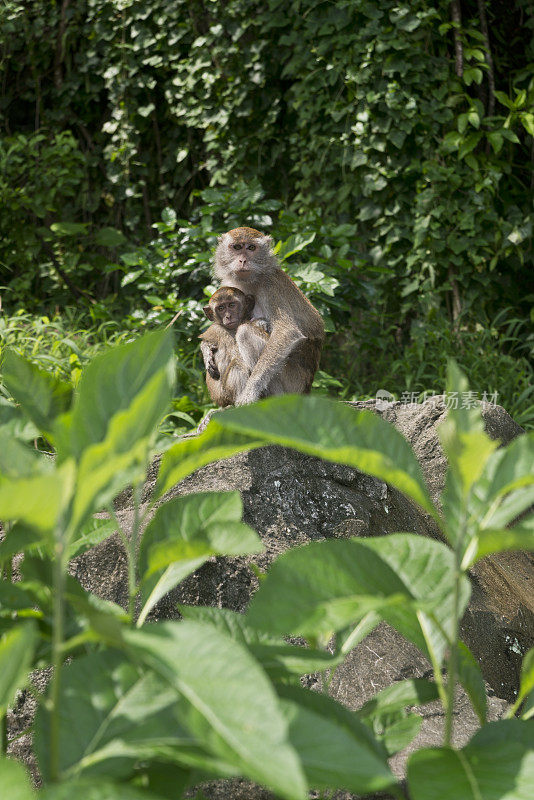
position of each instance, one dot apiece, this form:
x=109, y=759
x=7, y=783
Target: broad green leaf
x=109, y=237
x=335, y=748
x=462, y=436
x=69, y=228
x=413, y=692
x=113, y=714
x=353, y=635
x=277, y=658
x=497, y=764
x=204, y=524
x=322, y=587
x=188, y=455
x=470, y=676
x=526, y=685
x=121, y=458
x=184, y=533
x=385, y=713
x=110, y=386
x=15, y=781
x=495, y=541
x=16, y=654
x=294, y=244
x=13, y=597
x=37, y=500
x=313, y=425
x=335, y=432
x=509, y=469
x=506, y=509
x=42, y=396
x=233, y=709
x=396, y=730
x=94, y=789
x=96, y=531
x=17, y=460
x=17, y=540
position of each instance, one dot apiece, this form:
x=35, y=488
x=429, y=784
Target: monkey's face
x=243, y=254
x=229, y=307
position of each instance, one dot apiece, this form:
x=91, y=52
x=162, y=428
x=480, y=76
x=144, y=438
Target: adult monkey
x=243, y=260
x=227, y=369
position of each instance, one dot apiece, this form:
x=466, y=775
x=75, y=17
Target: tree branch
x=456, y=14
x=489, y=57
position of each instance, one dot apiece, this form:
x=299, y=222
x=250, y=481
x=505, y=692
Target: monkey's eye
x=237, y=246
x=251, y=247
x=231, y=305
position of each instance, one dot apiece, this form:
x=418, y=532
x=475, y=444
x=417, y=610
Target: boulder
x=292, y=499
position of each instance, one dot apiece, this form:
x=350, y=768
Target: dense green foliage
x=397, y=141
x=144, y=710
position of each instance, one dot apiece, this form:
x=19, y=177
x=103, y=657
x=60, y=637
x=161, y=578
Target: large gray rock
x=291, y=499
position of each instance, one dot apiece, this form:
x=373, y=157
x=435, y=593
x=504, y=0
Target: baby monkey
x=227, y=366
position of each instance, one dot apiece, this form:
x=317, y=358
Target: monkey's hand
x=247, y=396
x=212, y=369
x=208, y=353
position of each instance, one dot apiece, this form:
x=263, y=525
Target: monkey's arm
x=284, y=339
x=208, y=351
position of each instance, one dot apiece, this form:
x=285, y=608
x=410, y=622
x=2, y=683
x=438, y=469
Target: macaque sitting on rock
x=228, y=367
x=290, y=355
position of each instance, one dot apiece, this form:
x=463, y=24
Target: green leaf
x=470, y=676
x=277, y=658
x=13, y=597
x=335, y=748
x=17, y=460
x=526, y=685
x=413, y=692
x=294, y=244
x=497, y=764
x=233, y=708
x=508, y=469
x=190, y=454
x=496, y=141
x=16, y=654
x=113, y=714
x=397, y=730
x=17, y=540
x=462, y=435
x=469, y=144
x=322, y=587
x=184, y=533
x=335, y=432
x=15, y=781
x=37, y=500
x=94, y=789
x=527, y=120
x=385, y=713
x=109, y=237
x=69, y=228
x=42, y=396
x=96, y=531
x=496, y=541
x=110, y=384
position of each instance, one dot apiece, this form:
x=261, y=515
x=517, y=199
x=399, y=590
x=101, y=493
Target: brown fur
x=290, y=357
x=226, y=370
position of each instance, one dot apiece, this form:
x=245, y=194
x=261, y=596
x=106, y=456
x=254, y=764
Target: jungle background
x=387, y=146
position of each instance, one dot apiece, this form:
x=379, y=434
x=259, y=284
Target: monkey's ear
x=208, y=311
x=248, y=308
x=266, y=240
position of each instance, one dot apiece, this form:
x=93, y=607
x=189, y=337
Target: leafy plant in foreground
x=145, y=710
